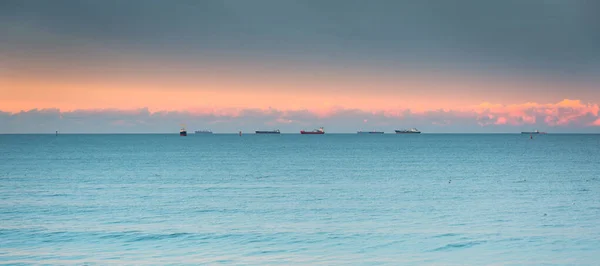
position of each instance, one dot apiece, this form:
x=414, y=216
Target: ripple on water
x=462, y=245
x=446, y=235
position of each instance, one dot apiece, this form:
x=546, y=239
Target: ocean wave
x=446, y=235
x=462, y=245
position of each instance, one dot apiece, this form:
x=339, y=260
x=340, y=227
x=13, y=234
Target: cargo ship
x=276, y=131
x=408, y=131
x=314, y=132
x=182, y=132
x=202, y=132
x=369, y=132
x=533, y=132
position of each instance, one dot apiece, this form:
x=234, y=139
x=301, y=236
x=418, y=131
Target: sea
x=291, y=199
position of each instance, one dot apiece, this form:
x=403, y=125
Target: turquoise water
x=424, y=199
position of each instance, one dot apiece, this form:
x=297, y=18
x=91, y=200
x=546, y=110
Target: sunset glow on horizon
x=311, y=91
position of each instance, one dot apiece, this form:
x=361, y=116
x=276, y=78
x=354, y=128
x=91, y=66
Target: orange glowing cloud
x=562, y=113
x=564, y=116
x=501, y=121
x=557, y=114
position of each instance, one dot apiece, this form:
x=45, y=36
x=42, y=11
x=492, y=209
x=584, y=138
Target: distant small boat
x=533, y=132
x=202, y=132
x=276, y=131
x=408, y=131
x=183, y=132
x=319, y=131
x=369, y=132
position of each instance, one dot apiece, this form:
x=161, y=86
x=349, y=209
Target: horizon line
x=297, y=133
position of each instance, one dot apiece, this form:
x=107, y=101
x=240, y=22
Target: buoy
x=240, y=133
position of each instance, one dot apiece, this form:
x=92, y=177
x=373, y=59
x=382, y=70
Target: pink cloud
x=111, y=111
x=228, y=112
x=501, y=121
x=566, y=114
x=562, y=113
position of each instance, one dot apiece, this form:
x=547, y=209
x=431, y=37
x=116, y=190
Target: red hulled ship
x=314, y=132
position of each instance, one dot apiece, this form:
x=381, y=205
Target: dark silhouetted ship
x=319, y=131
x=408, y=131
x=533, y=132
x=276, y=131
x=369, y=132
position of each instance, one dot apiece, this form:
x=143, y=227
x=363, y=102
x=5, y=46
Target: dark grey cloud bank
x=249, y=120
x=543, y=36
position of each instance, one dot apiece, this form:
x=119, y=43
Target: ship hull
x=267, y=132
x=401, y=132
x=183, y=134
x=311, y=133
x=370, y=132
x=530, y=133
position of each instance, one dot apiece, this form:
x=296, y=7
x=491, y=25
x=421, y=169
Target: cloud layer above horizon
x=567, y=116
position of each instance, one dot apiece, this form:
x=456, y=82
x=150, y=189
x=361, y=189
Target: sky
x=146, y=66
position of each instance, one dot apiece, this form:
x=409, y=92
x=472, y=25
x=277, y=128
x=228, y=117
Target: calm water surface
x=295, y=199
